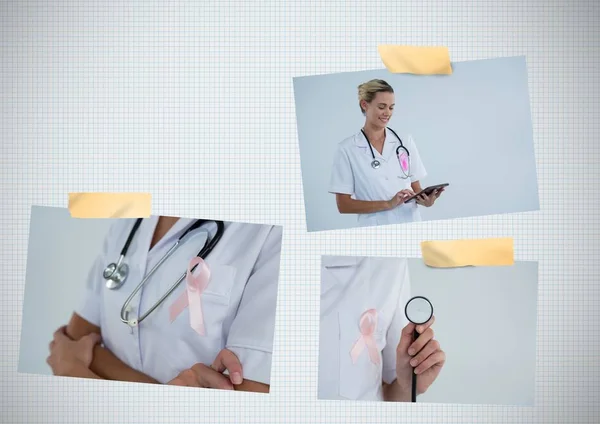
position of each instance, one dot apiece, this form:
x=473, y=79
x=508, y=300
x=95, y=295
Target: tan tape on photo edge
x=468, y=252
x=110, y=205
x=417, y=60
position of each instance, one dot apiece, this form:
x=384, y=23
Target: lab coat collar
x=389, y=146
x=174, y=232
x=180, y=227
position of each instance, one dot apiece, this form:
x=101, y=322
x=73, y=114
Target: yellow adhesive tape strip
x=110, y=205
x=416, y=59
x=459, y=253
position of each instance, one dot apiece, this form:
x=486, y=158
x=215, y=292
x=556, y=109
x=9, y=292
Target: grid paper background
x=193, y=102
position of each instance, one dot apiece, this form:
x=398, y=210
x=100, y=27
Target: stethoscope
x=418, y=310
x=115, y=274
x=402, y=154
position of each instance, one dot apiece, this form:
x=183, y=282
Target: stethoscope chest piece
x=419, y=310
x=375, y=164
x=115, y=275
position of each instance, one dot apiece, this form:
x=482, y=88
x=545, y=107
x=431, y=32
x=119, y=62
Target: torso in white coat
x=353, y=174
x=350, y=286
x=238, y=305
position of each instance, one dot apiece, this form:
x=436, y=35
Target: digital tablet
x=429, y=190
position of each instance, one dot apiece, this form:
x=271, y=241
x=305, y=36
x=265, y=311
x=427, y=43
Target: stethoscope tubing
x=127, y=302
x=415, y=337
x=204, y=252
x=375, y=163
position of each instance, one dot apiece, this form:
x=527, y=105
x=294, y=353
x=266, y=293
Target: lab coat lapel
x=338, y=269
x=147, y=258
x=389, y=147
x=142, y=249
x=363, y=145
x=333, y=266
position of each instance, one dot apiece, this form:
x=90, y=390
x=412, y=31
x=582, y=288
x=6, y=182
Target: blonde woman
x=375, y=170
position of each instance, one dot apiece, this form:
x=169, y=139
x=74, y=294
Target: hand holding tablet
x=428, y=191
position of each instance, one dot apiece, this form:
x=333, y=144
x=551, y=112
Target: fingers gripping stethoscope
x=402, y=154
x=418, y=310
x=115, y=274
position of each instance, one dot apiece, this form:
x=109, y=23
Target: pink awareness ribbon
x=404, y=161
x=192, y=296
x=368, y=323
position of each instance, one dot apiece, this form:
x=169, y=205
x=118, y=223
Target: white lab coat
x=238, y=305
x=349, y=287
x=353, y=174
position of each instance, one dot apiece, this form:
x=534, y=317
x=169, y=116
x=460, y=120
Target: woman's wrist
x=73, y=369
x=78, y=369
x=403, y=391
x=395, y=392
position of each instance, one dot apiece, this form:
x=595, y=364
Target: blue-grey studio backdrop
x=472, y=128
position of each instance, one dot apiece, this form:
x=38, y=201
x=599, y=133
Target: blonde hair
x=368, y=90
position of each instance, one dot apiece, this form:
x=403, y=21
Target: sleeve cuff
x=341, y=190
x=418, y=177
x=89, y=308
x=256, y=364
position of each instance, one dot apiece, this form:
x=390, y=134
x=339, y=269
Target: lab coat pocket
x=360, y=359
x=214, y=305
x=221, y=282
x=192, y=346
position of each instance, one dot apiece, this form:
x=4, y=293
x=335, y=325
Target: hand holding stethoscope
x=420, y=358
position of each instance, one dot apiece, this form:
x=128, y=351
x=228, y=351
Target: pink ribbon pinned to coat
x=404, y=162
x=192, y=296
x=368, y=324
